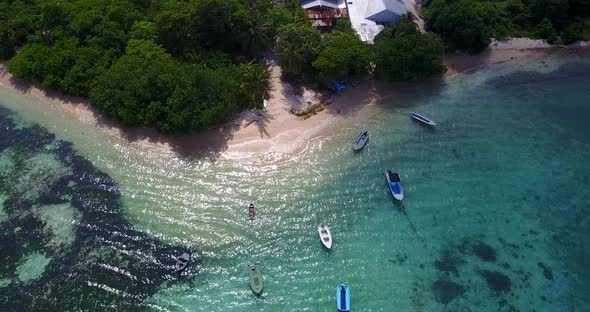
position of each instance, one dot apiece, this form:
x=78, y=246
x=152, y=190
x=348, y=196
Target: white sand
x=276, y=131
x=519, y=44
x=413, y=7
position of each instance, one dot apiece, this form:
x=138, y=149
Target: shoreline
x=276, y=131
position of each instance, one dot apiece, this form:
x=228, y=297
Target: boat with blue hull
x=395, y=187
x=343, y=298
x=423, y=119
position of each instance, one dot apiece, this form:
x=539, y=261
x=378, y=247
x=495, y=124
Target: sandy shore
x=275, y=130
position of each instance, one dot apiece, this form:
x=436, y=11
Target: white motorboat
x=325, y=235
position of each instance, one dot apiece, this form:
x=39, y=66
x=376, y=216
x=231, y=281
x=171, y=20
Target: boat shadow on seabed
x=402, y=208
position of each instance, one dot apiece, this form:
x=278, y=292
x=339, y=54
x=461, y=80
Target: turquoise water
x=495, y=215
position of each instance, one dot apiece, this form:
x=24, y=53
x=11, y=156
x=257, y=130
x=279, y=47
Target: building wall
x=326, y=17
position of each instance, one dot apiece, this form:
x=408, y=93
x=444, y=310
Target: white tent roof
x=385, y=10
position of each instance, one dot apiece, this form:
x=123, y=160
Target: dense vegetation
x=307, y=55
x=343, y=56
x=469, y=24
x=402, y=52
x=170, y=64
x=180, y=65
x=298, y=46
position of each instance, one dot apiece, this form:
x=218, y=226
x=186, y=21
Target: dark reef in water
x=484, y=251
x=453, y=256
x=458, y=259
x=445, y=291
x=398, y=259
x=547, y=272
x=108, y=264
x=448, y=262
x=497, y=282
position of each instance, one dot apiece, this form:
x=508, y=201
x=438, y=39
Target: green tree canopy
x=147, y=87
x=458, y=22
x=298, y=46
x=343, y=56
x=556, y=11
x=217, y=23
x=176, y=29
x=255, y=84
x=17, y=22
x=30, y=62
x=144, y=30
x=144, y=75
x=255, y=31
x=403, y=53
x=176, y=65
x=344, y=25
x=468, y=29
x=200, y=97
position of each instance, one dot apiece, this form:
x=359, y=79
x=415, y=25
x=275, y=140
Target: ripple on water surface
x=493, y=218
x=64, y=243
x=478, y=228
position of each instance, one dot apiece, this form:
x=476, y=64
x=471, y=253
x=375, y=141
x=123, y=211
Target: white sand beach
x=276, y=130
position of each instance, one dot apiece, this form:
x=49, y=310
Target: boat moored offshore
x=256, y=281
x=423, y=119
x=361, y=141
x=325, y=235
x=395, y=187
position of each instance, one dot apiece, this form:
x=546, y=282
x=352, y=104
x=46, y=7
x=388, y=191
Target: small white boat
x=423, y=119
x=395, y=187
x=325, y=235
x=361, y=140
x=182, y=262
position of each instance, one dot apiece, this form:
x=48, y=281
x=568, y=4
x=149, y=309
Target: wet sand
x=276, y=130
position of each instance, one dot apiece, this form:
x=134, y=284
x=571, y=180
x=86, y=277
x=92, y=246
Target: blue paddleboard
x=343, y=298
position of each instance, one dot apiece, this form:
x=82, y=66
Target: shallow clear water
x=495, y=215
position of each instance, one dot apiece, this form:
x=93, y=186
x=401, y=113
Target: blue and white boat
x=395, y=187
x=423, y=119
x=343, y=298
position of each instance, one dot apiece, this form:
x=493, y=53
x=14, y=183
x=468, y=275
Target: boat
x=361, y=141
x=325, y=235
x=394, y=184
x=251, y=211
x=423, y=119
x=182, y=262
x=343, y=298
x=256, y=282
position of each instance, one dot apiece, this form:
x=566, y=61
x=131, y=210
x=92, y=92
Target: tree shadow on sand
x=206, y=143
x=399, y=94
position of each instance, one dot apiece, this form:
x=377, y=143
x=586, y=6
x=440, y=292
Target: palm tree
x=255, y=84
x=255, y=34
